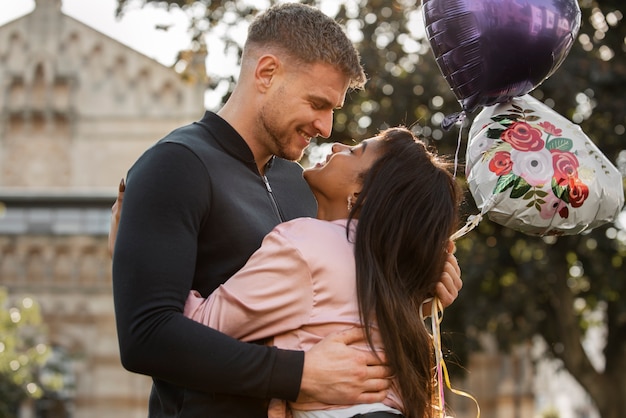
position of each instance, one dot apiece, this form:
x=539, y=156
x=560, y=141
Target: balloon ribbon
x=440, y=364
x=472, y=222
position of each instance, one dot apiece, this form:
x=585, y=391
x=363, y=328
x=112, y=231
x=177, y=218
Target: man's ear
x=266, y=69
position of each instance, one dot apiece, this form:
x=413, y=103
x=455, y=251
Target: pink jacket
x=297, y=288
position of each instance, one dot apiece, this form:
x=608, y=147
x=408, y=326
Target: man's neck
x=241, y=125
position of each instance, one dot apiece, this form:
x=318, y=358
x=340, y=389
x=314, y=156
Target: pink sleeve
x=270, y=295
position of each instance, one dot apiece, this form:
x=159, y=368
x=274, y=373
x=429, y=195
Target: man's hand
x=116, y=211
x=335, y=373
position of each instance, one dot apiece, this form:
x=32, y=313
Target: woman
x=373, y=255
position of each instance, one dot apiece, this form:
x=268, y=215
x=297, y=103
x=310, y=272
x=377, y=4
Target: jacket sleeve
x=270, y=295
x=153, y=269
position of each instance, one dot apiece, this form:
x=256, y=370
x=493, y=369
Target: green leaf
x=520, y=187
x=563, y=144
x=506, y=119
x=499, y=118
x=532, y=118
x=494, y=133
x=504, y=182
x=562, y=192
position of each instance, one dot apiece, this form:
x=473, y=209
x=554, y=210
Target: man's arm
x=154, y=262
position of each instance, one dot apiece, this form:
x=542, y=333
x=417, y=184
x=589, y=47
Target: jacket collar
x=227, y=137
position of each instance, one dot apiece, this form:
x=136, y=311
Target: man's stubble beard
x=273, y=137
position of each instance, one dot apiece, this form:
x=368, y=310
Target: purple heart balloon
x=490, y=51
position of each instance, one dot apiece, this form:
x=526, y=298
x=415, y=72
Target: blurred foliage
x=29, y=367
x=22, y=352
x=516, y=286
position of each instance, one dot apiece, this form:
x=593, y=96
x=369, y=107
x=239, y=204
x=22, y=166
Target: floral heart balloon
x=531, y=169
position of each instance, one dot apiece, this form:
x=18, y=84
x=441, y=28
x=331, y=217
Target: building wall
x=78, y=107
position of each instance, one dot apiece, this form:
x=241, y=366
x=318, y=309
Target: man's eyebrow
x=364, y=144
x=323, y=102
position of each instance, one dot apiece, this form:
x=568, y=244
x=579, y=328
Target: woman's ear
x=352, y=198
x=266, y=69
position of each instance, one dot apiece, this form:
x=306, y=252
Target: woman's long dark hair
x=407, y=210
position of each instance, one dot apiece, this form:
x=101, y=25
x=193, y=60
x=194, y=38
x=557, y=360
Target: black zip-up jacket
x=195, y=209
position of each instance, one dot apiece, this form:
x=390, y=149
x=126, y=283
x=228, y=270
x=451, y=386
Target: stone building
x=76, y=110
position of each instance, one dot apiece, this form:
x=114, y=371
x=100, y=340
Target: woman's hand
x=450, y=283
x=116, y=211
x=448, y=287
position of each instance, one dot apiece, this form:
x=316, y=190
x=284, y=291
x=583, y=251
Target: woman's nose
x=338, y=147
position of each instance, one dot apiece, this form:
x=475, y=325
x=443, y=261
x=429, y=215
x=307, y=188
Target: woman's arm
x=116, y=212
x=270, y=295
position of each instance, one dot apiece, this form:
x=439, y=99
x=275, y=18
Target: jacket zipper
x=274, y=203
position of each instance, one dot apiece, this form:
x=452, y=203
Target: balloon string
x=440, y=364
x=472, y=222
x=460, y=118
x=437, y=308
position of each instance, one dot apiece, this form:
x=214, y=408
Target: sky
x=136, y=29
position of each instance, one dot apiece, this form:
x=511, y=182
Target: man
x=198, y=204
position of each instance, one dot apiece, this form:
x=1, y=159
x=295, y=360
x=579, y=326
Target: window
x=72, y=218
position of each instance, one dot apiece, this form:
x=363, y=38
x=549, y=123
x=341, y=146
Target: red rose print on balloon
x=578, y=192
x=550, y=129
x=565, y=166
x=523, y=137
x=501, y=163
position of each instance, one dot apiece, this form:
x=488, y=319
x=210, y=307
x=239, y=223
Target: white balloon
x=532, y=170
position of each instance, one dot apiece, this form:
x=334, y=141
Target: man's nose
x=324, y=124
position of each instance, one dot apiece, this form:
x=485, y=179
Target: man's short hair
x=307, y=35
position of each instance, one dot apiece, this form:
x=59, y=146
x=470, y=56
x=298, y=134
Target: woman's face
x=338, y=177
